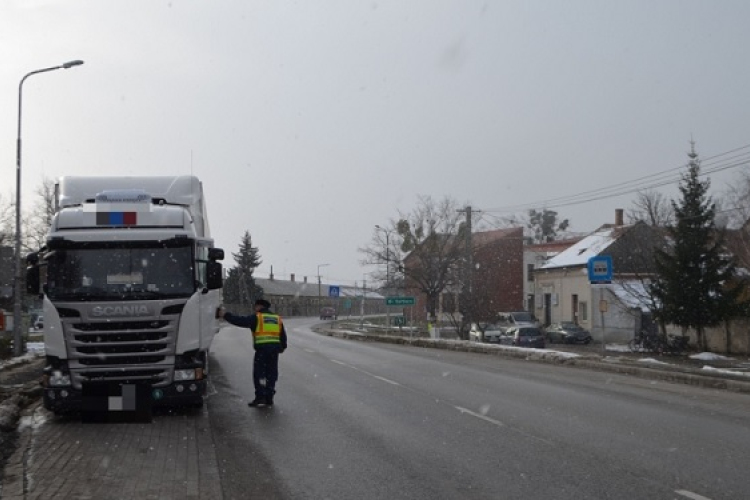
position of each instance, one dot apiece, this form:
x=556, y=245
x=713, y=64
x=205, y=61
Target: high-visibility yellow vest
x=268, y=329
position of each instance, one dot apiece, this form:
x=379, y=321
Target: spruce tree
x=240, y=287
x=694, y=276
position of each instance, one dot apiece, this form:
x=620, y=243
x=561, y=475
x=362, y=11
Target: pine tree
x=694, y=275
x=240, y=287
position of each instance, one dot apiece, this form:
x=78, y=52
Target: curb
x=679, y=375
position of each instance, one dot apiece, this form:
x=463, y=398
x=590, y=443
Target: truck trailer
x=130, y=284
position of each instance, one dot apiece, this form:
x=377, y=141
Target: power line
x=651, y=181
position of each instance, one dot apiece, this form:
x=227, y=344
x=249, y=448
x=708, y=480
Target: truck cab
x=130, y=281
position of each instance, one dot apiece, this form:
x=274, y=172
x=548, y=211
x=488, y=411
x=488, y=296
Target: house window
x=583, y=311
x=529, y=272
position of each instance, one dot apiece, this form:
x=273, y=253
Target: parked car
x=568, y=332
x=39, y=323
x=492, y=332
x=526, y=336
x=516, y=319
x=328, y=313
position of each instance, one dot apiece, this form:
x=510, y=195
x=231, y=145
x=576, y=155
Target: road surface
x=367, y=420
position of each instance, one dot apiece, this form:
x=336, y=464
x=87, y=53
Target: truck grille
x=138, y=351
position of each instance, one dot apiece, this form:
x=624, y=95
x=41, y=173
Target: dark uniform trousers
x=265, y=371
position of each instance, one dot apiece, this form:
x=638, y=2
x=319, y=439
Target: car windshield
x=522, y=317
x=571, y=327
x=528, y=332
x=491, y=327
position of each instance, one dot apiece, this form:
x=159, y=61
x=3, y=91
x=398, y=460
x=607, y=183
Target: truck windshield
x=120, y=273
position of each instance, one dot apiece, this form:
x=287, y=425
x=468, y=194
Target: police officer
x=269, y=340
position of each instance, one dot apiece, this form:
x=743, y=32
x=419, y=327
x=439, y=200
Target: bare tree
x=737, y=197
x=429, y=242
x=7, y=221
x=37, y=224
x=651, y=207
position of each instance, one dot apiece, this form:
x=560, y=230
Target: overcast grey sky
x=311, y=121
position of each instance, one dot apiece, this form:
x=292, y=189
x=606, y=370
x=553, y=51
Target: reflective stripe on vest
x=268, y=329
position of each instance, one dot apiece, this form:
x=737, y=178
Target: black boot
x=257, y=402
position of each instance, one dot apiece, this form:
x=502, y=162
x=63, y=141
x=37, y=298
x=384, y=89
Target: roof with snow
x=590, y=246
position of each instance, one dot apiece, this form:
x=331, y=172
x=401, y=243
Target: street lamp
x=387, y=274
x=319, y=266
x=17, y=348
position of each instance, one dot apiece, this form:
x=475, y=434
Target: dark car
x=526, y=336
x=568, y=333
x=328, y=313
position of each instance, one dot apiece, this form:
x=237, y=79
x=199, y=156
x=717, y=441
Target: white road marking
x=479, y=415
x=691, y=495
x=459, y=408
x=386, y=380
x=310, y=351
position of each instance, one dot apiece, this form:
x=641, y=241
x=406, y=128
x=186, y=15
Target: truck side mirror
x=216, y=254
x=215, y=275
x=32, y=280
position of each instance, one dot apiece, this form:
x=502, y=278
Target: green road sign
x=400, y=301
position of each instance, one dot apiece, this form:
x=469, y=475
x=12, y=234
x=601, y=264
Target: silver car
x=487, y=332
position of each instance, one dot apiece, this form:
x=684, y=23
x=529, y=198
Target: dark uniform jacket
x=251, y=322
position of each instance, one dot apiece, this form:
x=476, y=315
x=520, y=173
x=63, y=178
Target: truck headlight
x=58, y=379
x=182, y=375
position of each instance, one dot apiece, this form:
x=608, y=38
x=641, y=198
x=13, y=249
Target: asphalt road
x=367, y=420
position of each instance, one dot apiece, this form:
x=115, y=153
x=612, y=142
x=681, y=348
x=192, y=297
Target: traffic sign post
x=334, y=291
x=400, y=301
x=600, y=272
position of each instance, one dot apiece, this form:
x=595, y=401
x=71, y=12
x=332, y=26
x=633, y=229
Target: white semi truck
x=130, y=283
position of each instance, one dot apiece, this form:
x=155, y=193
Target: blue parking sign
x=600, y=269
x=334, y=291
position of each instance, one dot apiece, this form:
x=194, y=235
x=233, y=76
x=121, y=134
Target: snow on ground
x=725, y=372
x=652, y=361
x=32, y=421
x=709, y=356
x=617, y=348
x=33, y=350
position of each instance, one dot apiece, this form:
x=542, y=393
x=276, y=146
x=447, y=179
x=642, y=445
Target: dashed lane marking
x=691, y=495
x=479, y=415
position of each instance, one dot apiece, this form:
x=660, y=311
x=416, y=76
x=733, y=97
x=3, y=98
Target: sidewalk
x=173, y=457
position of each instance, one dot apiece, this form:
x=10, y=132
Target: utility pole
x=469, y=266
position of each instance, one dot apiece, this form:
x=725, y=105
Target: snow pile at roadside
x=33, y=350
x=725, y=372
x=709, y=356
x=617, y=348
x=652, y=361
x=32, y=421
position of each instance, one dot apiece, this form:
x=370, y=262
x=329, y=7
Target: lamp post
x=387, y=275
x=17, y=348
x=319, y=266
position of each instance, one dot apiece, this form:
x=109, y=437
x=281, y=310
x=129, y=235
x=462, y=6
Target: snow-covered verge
x=33, y=350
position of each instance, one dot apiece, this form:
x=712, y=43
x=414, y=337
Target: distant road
x=371, y=421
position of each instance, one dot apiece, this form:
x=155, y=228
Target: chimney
x=292, y=277
x=271, y=277
x=618, y=217
x=304, y=279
